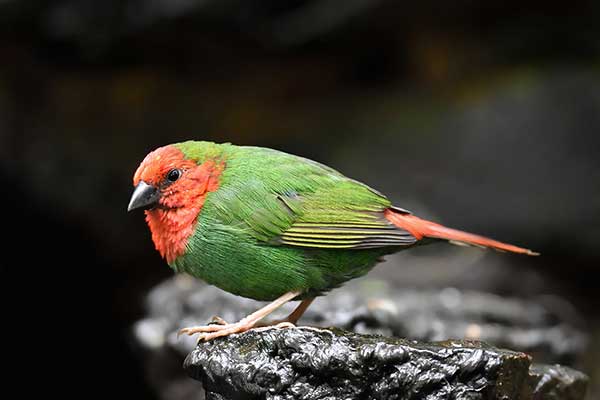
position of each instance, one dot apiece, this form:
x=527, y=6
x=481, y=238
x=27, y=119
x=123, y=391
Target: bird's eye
x=173, y=175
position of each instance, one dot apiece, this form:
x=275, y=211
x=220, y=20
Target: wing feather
x=288, y=200
x=346, y=235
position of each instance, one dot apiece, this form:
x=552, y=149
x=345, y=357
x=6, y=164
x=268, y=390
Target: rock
x=541, y=328
x=311, y=363
x=558, y=382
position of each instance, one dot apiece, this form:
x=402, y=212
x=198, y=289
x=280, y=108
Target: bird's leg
x=299, y=311
x=208, y=332
x=294, y=315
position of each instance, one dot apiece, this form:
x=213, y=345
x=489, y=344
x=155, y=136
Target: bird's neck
x=172, y=226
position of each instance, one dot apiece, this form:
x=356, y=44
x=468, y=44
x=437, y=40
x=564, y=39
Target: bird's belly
x=245, y=269
x=264, y=272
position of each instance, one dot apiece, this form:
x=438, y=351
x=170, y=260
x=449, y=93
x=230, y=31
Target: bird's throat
x=173, y=225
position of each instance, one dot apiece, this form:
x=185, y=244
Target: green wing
x=343, y=224
x=287, y=200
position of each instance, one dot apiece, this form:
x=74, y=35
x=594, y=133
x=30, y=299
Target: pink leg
x=208, y=332
x=296, y=314
x=290, y=320
x=299, y=311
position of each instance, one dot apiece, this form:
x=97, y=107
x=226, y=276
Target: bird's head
x=172, y=187
x=165, y=179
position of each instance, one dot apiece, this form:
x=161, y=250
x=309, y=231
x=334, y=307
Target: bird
x=272, y=226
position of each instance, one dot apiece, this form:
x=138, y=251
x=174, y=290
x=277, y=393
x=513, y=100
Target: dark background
x=482, y=115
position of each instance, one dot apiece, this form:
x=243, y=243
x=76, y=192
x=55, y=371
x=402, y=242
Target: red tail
x=421, y=228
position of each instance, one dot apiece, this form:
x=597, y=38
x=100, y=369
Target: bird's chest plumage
x=223, y=254
x=171, y=230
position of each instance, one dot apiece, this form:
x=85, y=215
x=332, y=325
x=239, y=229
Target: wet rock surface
x=542, y=328
x=311, y=363
x=557, y=382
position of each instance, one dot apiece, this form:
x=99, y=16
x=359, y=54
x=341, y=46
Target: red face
x=162, y=179
x=172, y=189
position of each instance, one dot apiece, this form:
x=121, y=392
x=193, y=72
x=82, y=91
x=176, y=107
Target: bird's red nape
x=173, y=220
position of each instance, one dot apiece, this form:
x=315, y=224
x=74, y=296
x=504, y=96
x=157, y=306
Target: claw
x=182, y=332
x=217, y=320
x=200, y=338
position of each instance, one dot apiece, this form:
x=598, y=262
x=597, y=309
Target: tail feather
x=421, y=228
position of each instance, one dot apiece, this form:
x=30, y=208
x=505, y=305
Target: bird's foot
x=218, y=327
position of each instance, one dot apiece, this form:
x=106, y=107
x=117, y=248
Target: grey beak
x=144, y=195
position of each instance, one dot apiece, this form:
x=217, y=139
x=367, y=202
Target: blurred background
x=483, y=116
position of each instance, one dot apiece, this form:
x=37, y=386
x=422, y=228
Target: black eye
x=173, y=175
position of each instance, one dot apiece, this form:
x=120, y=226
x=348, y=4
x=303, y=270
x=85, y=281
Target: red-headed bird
x=271, y=226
